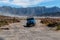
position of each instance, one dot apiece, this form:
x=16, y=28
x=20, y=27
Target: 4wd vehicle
x=30, y=22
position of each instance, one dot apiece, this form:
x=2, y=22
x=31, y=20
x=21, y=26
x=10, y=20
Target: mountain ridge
x=30, y=11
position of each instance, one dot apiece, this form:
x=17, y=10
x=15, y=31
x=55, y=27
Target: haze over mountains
x=30, y=11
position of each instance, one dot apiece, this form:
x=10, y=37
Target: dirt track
x=18, y=32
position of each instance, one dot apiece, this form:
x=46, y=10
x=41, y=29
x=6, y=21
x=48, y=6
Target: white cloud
x=4, y=0
x=24, y=3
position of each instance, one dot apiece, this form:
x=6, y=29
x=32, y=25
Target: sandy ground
x=19, y=32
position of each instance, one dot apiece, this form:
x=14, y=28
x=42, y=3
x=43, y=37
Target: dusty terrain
x=17, y=31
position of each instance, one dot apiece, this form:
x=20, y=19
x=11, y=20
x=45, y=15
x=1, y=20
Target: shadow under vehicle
x=30, y=22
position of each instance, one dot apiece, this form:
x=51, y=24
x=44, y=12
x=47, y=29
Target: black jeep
x=30, y=22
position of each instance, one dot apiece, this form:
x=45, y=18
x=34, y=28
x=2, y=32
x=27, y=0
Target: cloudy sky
x=30, y=3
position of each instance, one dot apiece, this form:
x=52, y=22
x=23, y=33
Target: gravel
x=18, y=32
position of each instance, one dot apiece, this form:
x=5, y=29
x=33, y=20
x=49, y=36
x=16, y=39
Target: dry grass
x=51, y=22
x=5, y=20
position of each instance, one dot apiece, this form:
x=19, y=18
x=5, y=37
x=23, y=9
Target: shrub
x=51, y=22
x=58, y=27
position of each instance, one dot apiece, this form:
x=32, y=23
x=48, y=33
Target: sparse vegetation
x=51, y=22
x=4, y=20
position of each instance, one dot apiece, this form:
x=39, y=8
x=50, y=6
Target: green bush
x=58, y=27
